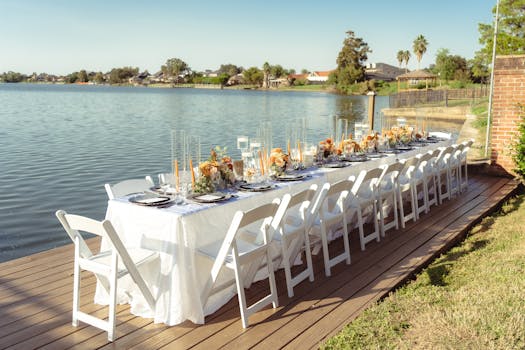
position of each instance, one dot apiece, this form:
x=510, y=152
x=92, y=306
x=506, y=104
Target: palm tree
x=266, y=71
x=420, y=47
x=400, y=57
x=406, y=58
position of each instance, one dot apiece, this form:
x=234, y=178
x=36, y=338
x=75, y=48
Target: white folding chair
x=421, y=181
x=431, y=171
x=405, y=190
x=245, y=258
x=364, y=199
x=454, y=164
x=126, y=187
x=464, y=167
x=442, y=172
x=108, y=266
x=294, y=238
x=387, y=196
x=333, y=211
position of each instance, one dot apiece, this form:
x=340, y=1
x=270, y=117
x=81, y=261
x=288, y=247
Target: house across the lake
x=382, y=71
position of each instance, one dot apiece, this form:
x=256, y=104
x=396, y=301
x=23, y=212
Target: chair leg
x=361, y=229
x=271, y=277
x=326, y=256
x=376, y=222
x=242, y=298
x=401, y=209
x=308, y=253
x=346, y=241
x=76, y=289
x=287, y=269
x=112, y=300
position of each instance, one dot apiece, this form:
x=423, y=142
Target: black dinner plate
x=290, y=177
x=210, y=197
x=255, y=187
x=335, y=165
x=149, y=199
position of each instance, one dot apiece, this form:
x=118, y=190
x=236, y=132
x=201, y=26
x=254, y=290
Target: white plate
x=255, y=187
x=210, y=197
x=149, y=199
x=291, y=177
x=335, y=165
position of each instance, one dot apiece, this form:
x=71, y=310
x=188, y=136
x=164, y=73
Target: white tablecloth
x=176, y=232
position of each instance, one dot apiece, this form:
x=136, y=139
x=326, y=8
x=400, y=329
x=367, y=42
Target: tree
x=400, y=57
x=229, y=69
x=511, y=30
x=266, y=75
x=406, y=58
x=82, y=76
x=122, y=75
x=419, y=47
x=13, y=77
x=304, y=71
x=99, y=78
x=479, y=68
x=175, y=67
x=253, y=75
x=450, y=67
x=350, y=62
x=72, y=78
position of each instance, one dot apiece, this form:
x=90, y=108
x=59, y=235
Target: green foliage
x=12, y=77
x=450, y=67
x=400, y=57
x=72, y=78
x=229, y=69
x=511, y=30
x=479, y=67
x=350, y=63
x=253, y=75
x=175, y=67
x=221, y=79
x=82, y=76
x=519, y=146
x=122, y=75
x=419, y=47
x=98, y=78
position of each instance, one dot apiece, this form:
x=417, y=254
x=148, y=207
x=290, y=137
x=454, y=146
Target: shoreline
x=322, y=88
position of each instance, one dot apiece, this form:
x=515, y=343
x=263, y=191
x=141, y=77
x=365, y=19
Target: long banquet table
x=177, y=231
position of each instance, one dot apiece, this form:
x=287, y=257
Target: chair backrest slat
x=126, y=187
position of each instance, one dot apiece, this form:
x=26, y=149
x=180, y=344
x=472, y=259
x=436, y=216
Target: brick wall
x=509, y=90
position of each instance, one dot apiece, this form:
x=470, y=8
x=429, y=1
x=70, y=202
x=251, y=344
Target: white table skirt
x=176, y=232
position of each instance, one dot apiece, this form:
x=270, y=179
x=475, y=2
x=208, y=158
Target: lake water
x=60, y=144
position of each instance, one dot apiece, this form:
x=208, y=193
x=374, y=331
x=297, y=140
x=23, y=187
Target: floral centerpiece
x=327, y=148
x=278, y=161
x=370, y=142
x=349, y=146
x=216, y=172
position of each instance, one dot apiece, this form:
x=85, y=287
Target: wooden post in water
x=371, y=102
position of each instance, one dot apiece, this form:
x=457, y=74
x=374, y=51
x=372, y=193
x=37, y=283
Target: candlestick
x=176, y=166
x=192, y=174
x=261, y=162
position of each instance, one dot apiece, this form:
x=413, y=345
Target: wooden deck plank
x=39, y=310
x=394, y=276
x=363, y=272
x=321, y=281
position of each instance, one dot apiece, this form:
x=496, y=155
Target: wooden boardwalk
x=36, y=291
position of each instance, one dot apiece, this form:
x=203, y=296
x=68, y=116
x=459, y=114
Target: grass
x=470, y=298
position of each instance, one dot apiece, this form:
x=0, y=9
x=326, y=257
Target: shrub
x=519, y=145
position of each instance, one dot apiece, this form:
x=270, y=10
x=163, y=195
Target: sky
x=63, y=36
